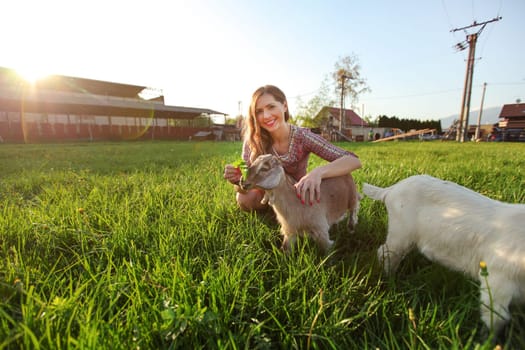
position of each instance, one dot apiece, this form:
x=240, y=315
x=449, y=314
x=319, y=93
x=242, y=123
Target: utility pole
x=467, y=90
x=480, y=112
x=462, y=131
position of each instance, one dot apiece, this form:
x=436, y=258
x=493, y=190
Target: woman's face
x=270, y=112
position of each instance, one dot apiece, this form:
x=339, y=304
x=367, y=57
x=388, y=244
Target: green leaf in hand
x=241, y=164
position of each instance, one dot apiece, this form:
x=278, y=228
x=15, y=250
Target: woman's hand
x=308, y=188
x=232, y=174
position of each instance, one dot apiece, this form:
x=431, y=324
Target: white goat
x=458, y=228
x=338, y=196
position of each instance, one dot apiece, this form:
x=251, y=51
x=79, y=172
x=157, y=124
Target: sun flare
x=32, y=74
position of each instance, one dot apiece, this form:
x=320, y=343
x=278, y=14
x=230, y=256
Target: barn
x=61, y=108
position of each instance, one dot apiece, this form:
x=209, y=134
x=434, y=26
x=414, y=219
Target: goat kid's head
x=265, y=173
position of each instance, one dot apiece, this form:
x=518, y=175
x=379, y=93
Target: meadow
x=140, y=245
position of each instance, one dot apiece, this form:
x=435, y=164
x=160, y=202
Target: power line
x=509, y=83
x=439, y=92
x=446, y=14
x=306, y=93
x=411, y=95
x=489, y=33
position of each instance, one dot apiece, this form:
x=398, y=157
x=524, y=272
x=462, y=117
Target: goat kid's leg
x=288, y=240
x=352, y=219
x=321, y=236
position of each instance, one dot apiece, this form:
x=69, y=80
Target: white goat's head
x=266, y=172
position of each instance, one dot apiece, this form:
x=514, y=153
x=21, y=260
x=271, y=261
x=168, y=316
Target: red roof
x=349, y=115
x=515, y=110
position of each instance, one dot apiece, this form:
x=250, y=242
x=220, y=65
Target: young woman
x=267, y=131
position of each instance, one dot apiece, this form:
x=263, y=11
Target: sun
x=32, y=73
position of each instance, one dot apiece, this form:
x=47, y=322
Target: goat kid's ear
x=275, y=161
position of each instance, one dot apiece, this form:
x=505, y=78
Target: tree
x=306, y=112
x=232, y=121
x=408, y=124
x=202, y=121
x=371, y=122
x=329, y=93
x=347, y=76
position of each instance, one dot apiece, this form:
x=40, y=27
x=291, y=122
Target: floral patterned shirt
x=303, y=142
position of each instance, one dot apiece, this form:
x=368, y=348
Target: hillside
x=490, y=116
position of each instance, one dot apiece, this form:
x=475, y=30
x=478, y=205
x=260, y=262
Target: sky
x=215, y=53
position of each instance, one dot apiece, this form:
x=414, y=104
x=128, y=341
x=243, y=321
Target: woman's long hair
x=258, y=139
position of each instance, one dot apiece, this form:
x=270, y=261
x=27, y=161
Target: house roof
x=514, y=110
x=63, y=94
x=349, y=115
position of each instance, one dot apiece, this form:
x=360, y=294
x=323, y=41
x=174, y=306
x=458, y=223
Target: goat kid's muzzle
x=244, y=185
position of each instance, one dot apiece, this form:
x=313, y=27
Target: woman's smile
x=269, y=122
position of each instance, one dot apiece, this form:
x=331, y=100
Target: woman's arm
x=338, y=167
x=341, y=162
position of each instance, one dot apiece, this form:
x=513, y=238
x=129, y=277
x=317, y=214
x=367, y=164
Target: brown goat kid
x=338, y=196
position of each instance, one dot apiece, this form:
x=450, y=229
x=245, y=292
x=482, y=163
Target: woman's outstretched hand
x=232, y=174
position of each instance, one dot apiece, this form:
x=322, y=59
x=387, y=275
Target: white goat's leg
x=495, y=313
x=394, y=250
x=388, y=259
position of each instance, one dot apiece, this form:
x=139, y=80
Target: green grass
x=140, y=245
